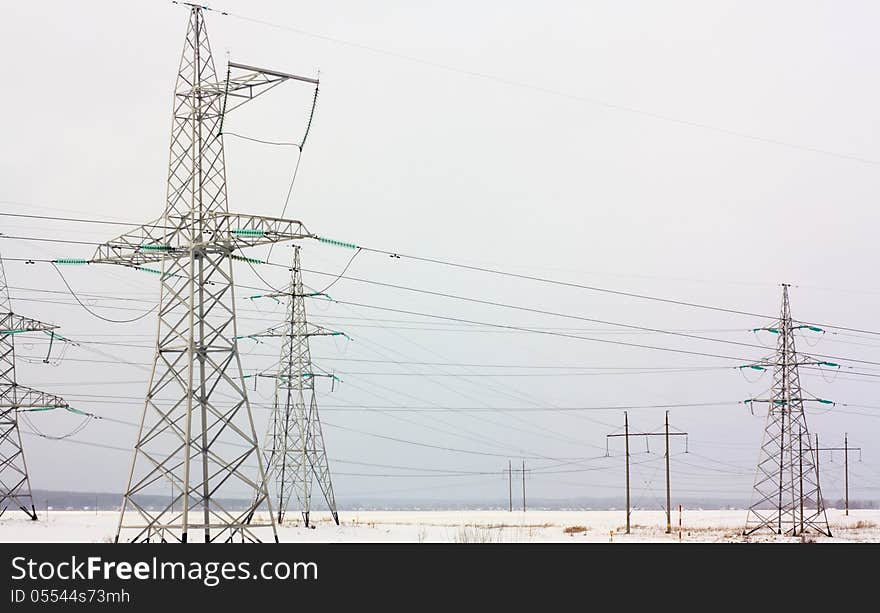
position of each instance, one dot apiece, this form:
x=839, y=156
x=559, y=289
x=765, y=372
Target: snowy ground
x=462, y=526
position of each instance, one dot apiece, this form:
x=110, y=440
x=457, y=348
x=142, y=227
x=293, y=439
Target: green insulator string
x=156, y=271
x=248, y=232
x=252, y=337
x=264, y=296
x=336, y=243
x=150, y=270
x=16, y=331
x=242, y=258
x=311, y=375
x=78, y=412
x=69, y=261
x=811, y=328
x=68, y=409
x=52, y=334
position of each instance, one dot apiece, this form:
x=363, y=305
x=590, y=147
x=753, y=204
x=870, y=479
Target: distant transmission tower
x=787, y=499
x=197, y=430
x=295, y=451
x=15, y=486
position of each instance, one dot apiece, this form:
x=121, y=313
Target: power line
x=544, y=332
x=341, y=275
x=76, y=219
x=439, y=447
x=553, y=92
x=536, y=311
x=517, y=328
x=98, y=315
x=87, y=398
x=497, y=272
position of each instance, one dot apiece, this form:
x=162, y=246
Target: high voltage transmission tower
x=197, y=430
x=295, y=453
x=787, y=498
x=15, y=486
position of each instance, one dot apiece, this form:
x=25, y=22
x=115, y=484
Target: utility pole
x=819, y=500
x=801, y=474
x=295, y=452
x=845, y=449
x=15, y=484
x=626, y=438
x=668, y=498
x=626, y=435
x=510, y=486
x=196, y=395
x=524, y=484
x=786, y=475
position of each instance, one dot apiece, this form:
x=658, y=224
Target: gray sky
x=641, y=152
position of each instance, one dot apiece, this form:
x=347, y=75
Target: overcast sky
x=699, y=151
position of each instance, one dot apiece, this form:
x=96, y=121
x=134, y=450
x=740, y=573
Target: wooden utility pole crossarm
x=626, y=434
x=845, y=449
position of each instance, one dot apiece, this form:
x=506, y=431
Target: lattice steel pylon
x=295, y=452
x=15, y=486
x=787, y=498
x=197, y=430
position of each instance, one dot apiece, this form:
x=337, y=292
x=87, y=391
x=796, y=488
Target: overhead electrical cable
x=513, y=275
x=506, y=81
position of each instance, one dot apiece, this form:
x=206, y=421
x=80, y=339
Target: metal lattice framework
x=15, y=487
x=295, y=452
x=197, y=431
x=787, y=498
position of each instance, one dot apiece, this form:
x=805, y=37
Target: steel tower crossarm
x=244, y=83
x=307, y=329
x=143, y=244
x=153, y=242
x=14, y=396
x=238, y=230
x=10, y=323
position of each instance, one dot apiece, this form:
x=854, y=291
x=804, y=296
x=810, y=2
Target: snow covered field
x=462, y=526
